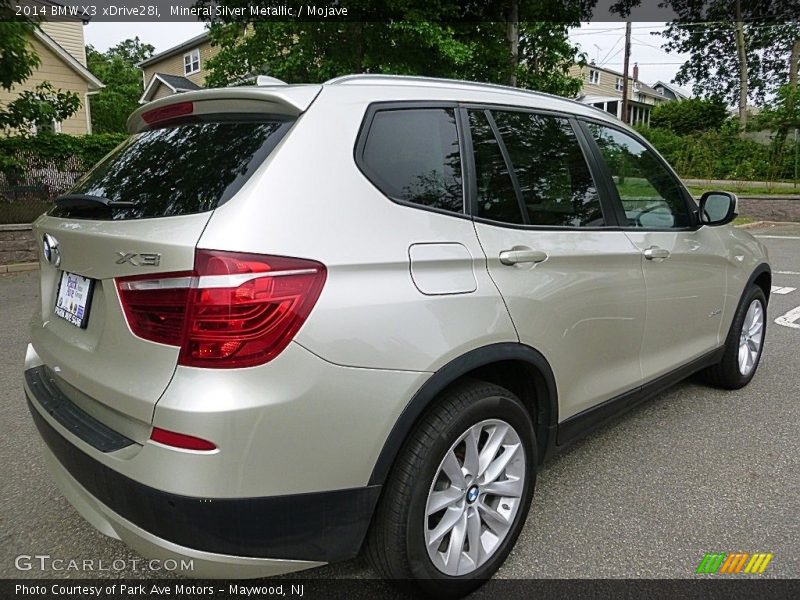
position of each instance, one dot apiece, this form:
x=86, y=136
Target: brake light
x=180, y=440
x=233, y=310
x=171, y=111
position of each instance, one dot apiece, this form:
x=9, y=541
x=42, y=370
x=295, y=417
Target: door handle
x=515, y=257
x=654, y=252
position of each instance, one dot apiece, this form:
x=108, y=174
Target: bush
x=722, y=154
x=689, y=116
x=34, y=170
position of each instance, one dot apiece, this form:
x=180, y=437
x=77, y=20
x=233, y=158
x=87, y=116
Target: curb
x=19, y=267
x=752, y=225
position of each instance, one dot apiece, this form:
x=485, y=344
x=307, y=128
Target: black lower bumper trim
x=319, y=526
x=43, y=386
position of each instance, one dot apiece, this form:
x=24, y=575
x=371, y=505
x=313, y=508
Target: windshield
x=179, y=170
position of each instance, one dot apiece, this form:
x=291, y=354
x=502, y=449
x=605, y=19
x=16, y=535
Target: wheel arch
x=761, y=277
x=517, y=367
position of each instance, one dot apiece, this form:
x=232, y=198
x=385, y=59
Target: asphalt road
x=695, y=470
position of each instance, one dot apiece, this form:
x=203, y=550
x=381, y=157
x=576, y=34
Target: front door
x=684, y=265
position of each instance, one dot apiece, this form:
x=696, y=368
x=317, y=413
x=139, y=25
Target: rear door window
x=554, y=180
x=497, y=198
x=412, y=155
x=179, y=170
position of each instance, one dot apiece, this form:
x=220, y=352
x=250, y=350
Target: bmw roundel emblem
x=472, y=494
x=50, y=250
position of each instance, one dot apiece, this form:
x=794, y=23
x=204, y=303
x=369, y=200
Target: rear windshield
x=188, y=168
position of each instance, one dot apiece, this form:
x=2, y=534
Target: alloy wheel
x=474, y=497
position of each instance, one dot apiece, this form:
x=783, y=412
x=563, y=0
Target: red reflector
x=180, y=440
x=233, y=310
x=168, y=112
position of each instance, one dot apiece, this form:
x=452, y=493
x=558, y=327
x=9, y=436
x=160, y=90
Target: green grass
x=757, y=191
x=743, y=220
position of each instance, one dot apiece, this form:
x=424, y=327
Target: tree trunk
x=742, y=57
x=793, y=64
x=512, y=36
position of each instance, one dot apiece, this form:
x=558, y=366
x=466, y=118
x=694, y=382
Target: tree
x=689, y=116
x=39, y=108
x=17, y=58
x=738, y=52
x=420, y=38
x=116, y=68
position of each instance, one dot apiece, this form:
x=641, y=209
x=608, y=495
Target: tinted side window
x=412, y=155
x=650, y=195
x=556, y=185
x=497, y=199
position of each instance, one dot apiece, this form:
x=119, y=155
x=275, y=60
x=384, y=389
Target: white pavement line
x=790, y=318
x=778, y=237
x=782, y=290
x=787, y=272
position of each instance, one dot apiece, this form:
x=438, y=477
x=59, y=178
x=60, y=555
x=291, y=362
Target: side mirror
x=718, y=208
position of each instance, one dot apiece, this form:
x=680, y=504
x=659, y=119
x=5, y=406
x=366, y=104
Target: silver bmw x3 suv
x=281, y=324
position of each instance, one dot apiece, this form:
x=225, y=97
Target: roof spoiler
x=288, y=100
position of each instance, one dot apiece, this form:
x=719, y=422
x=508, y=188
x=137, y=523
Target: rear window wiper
x=90, y=201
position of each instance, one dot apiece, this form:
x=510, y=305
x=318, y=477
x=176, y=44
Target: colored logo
x=734, y=562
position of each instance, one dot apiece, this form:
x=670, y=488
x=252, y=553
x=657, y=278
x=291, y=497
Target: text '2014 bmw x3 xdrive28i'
x=283, y=323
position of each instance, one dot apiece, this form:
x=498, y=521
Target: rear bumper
x=226, y=537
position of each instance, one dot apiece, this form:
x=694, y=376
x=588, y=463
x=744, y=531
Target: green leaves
x=420, y=41
x=712, y=67
x=17, y=58
x=39, y=107
x=689, y=116
x=116, y=68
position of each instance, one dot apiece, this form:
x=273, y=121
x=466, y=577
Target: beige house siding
x=607, y=85
x=173, y=65
x=53, y=69
x=162, y=91
x=68, y=35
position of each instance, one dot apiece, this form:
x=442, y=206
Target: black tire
x=395, y=544
x=726, y=374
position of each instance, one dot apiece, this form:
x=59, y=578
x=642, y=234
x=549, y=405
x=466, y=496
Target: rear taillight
x=233, y=310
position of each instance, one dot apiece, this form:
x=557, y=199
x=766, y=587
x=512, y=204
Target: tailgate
x=140, y=212
x=105, y=360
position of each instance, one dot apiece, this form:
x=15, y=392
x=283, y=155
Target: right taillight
x=233, y=310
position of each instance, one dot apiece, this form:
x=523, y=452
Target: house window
x=191, y=62
x=661, y=91
x=619, y=84
x=594, y=76
x=51, y=127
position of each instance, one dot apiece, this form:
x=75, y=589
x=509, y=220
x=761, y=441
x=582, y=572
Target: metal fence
x=26, y=193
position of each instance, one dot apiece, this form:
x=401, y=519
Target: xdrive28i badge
x=51, y=250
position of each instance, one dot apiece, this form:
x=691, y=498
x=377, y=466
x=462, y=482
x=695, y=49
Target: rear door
x=139, y=212
x=684, y=265
x=573, y=286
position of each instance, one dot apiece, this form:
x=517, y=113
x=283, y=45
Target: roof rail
x=365, y=77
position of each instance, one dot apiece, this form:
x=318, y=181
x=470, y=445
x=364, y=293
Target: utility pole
x=625, y=73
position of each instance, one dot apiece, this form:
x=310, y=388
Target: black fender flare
x=757, y=272
x=448, y=374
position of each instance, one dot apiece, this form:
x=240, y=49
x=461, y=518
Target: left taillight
x=234, y=310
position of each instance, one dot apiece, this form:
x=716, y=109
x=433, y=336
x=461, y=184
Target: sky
x=601, y=41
